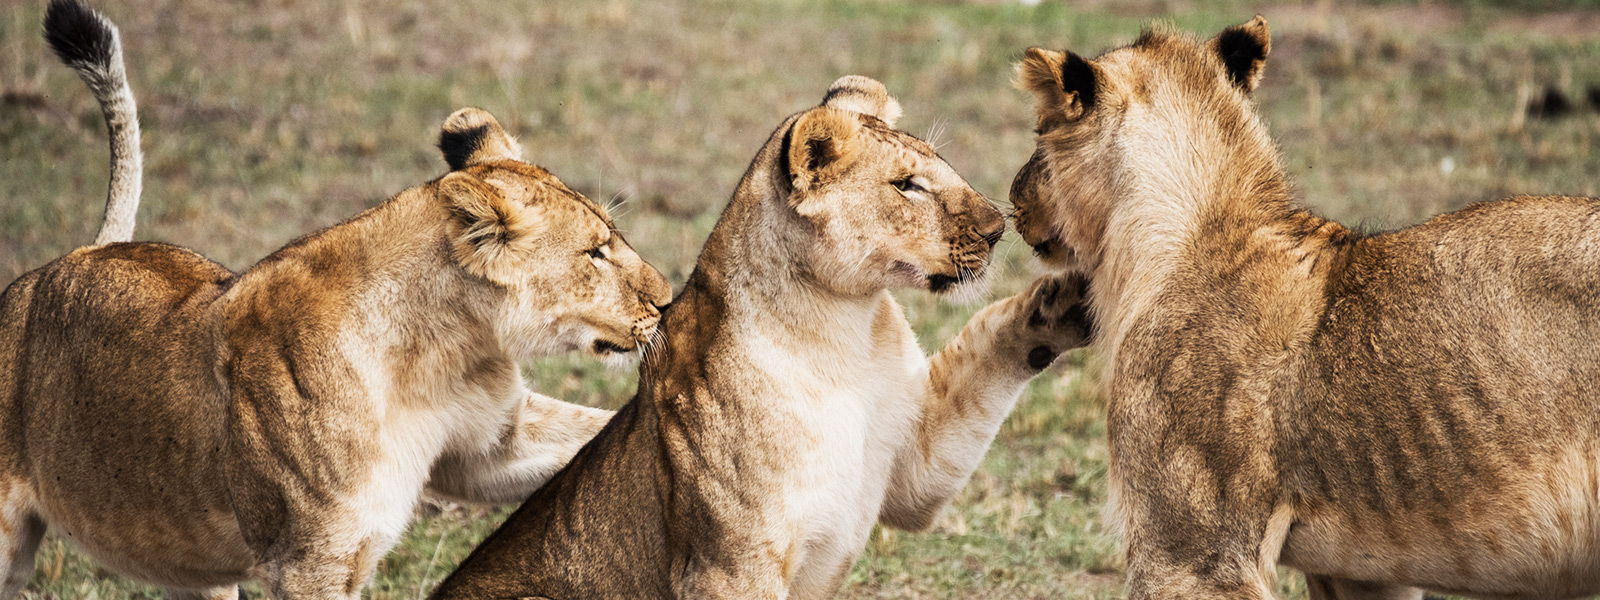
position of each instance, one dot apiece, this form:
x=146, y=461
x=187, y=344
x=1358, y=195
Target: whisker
x=936, y=131
x=653, y=351
x=863, y=261
x=618, y=200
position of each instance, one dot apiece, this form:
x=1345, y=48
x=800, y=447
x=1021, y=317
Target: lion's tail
x=89, y=43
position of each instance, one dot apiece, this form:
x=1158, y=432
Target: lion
x=1386, y=412
x=195, y=428
x=788, y=407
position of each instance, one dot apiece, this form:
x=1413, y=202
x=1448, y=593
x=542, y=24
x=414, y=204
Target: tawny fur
x=1389, y=412
x=193, y=427
x=788, y=407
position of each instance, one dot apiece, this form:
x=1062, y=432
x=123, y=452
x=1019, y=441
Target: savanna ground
x=265, y=120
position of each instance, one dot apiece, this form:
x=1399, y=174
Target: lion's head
x=1143, y=114
x=569, y=279
x=881, y=209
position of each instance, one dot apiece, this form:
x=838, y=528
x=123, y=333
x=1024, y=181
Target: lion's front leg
x=752, y=577
x=541, y=437
x=1212, y=554
x=972, y=384
x=1198, y=522
x=322, y=572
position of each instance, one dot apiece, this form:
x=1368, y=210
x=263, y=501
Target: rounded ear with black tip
x=1064, y=82
x=1243, y=49
x=821, y=145
x=486, y=227
x=472, y=136
x=863, y=95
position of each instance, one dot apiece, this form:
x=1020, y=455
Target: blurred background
x=264, y=120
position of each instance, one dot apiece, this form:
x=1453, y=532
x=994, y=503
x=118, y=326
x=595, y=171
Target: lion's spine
x=88, y=42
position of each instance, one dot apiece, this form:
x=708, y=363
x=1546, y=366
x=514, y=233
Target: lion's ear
x=486, y=226
x=1063, y=82
x=821, y=145
x=1244, y=49
x=472, y=136
x=863, y=95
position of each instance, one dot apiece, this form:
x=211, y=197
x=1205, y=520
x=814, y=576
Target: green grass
x=264, y=120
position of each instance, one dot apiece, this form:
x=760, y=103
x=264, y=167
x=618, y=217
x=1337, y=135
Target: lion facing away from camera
x=1387, y=413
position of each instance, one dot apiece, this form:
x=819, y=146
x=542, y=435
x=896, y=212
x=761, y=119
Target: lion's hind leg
x=1328, y=588
x=20, y=532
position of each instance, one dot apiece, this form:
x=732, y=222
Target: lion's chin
x=620, y=361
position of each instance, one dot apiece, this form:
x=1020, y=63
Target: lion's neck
x=1177, y=209
x=403, y=319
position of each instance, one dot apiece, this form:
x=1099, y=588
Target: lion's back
x=114, y=320
x=1489, y=313
x=1452, y=390
x=108, y=369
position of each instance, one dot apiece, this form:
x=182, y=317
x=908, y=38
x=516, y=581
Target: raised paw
x=1057, y=317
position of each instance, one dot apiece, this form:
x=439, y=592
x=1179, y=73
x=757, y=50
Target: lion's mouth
x=940, y=283
x=1051, y=250
x=606, y=347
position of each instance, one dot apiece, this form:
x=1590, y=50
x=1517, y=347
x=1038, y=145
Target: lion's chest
x=853, y=415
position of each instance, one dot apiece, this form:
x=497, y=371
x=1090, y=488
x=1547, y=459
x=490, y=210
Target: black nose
x=993, y=237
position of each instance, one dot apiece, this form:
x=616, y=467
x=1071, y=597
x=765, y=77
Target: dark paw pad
x=1041, y=357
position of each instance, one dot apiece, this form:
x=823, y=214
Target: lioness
x=1412, y=409
x=194, y=428
x=788, y=407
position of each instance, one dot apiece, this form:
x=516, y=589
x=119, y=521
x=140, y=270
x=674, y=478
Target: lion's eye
x=597, y=253
x=906, y=184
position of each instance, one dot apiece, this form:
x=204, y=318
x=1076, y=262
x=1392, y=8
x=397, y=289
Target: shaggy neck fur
x=1172, y=201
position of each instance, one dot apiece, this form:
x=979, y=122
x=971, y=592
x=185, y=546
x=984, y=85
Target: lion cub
x=193, y=427
x=789, y=407
x=1412, y=409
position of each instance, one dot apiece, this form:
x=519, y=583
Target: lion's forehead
x=1174, y=54
x=895, y=139
x=530, y=182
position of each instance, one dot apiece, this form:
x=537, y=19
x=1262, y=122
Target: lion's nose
x=991, y=224
x=655, y=290
x=993, y=237
x=659, y=309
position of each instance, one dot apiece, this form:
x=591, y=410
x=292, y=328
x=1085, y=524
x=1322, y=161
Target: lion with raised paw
x=789, y=407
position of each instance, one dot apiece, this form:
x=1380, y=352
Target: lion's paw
x=1057, y=317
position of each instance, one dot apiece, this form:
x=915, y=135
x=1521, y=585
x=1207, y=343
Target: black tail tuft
x=78, y=34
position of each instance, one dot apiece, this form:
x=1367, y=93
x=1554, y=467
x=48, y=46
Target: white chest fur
x=857, y=406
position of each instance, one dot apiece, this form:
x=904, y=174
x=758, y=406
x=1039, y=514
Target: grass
x=264, y=120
